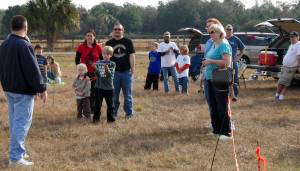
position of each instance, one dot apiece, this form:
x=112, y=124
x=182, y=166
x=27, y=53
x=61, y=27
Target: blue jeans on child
x=123, y=80
x=166, y=76
x=183, y=82
x=20, y=109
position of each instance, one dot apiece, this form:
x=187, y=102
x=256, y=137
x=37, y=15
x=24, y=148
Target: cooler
x=267, y=58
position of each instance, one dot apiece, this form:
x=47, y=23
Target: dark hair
x=38, y=46
x=51, y=58
x=18, y=23
x=94, y=33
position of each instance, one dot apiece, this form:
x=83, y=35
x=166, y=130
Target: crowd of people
x=103, y=71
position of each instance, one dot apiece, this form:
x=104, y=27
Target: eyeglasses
x=117, y=29
x=212, y=32
x=229, y=29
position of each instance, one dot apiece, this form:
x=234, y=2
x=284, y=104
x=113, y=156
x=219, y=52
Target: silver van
x=254, y=42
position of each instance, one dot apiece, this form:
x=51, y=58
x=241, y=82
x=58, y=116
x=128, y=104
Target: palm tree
x=50, y=17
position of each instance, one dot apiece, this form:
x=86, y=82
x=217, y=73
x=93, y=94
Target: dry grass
x=167, y=132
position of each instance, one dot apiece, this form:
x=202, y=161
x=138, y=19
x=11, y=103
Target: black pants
x=108, y=96
x=151, y=79
x=92, y=96
x=83, y=107
x=218, y=106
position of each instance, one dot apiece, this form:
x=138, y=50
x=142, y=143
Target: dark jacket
x=19, y=70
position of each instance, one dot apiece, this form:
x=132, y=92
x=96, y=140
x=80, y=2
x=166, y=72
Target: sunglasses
x=212, y=32
x=117, y=29
x=229, y=29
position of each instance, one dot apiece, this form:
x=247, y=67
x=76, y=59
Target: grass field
x=167, y=133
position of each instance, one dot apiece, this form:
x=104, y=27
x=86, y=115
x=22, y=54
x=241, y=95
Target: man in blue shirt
x=236, y=44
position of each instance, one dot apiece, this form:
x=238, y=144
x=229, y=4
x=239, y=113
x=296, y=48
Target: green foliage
x=51, y=17
x=7, y=16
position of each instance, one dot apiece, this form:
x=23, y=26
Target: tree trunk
x=51, y=37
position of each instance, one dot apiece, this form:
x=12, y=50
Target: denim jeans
x=166, y=71
x=123, y=80
x=218, y=108
x=20, y=109
x=183, y=82
x=235, y=79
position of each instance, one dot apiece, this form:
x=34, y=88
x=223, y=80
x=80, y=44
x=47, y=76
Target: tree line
x=61, y=18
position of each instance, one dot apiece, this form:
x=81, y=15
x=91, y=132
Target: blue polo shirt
x=236, y=44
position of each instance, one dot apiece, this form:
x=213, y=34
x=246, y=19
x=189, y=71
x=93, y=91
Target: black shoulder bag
x=222, y=78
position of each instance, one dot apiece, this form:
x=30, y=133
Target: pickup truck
x=279, y=46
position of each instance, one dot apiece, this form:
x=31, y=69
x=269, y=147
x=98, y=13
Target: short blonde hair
x=219, y=29
x=155, y=44
x=184, y=50
x=108, y=50
x=83, y=67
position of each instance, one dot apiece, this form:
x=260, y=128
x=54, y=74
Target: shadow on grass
x=144, y=144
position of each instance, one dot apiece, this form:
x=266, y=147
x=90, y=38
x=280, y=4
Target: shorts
x=286, y=76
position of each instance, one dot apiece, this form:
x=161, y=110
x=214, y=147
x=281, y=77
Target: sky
x=4, y=4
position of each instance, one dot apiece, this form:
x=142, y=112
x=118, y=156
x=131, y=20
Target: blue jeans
x=218, y=108
x=123, y=80
x=235, y=79
x=166, y=76
x=20, y=109
x=184, y=81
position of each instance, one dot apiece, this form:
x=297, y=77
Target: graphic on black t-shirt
x=122, y=50
x=119, y=51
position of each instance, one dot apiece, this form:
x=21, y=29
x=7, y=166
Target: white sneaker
x=281, y=97
x=21, y=162
x=224, y=137
x=25, y=156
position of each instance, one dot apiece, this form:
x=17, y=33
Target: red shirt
x=89, y=55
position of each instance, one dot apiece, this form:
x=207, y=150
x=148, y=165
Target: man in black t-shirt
x=125, y=66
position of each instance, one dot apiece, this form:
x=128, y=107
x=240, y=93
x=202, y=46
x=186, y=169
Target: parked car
x=254, y=42
x=278, y=47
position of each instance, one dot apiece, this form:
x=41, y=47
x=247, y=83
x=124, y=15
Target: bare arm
x=238, y=57
x=132, y=63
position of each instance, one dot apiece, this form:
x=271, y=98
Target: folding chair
x=242, y=68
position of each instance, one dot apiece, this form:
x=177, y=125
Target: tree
x=51, y=18
x=8, y=15
x=103, y=17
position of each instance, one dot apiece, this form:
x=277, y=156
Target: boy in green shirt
x=104, y=72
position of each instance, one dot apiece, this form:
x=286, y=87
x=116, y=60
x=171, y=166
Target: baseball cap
x=167, y=33
x=229, y=27
x=294, y=34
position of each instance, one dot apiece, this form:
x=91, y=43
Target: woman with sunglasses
x=88, y=53
x=218, y=56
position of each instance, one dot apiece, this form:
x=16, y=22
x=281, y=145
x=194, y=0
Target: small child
x=42, y=61
x=54, y=72
x=182, y=66
x=105, y=70
x=82, y=86
x=153, y=68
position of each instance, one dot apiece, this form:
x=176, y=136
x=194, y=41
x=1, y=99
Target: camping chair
x=242, y=68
